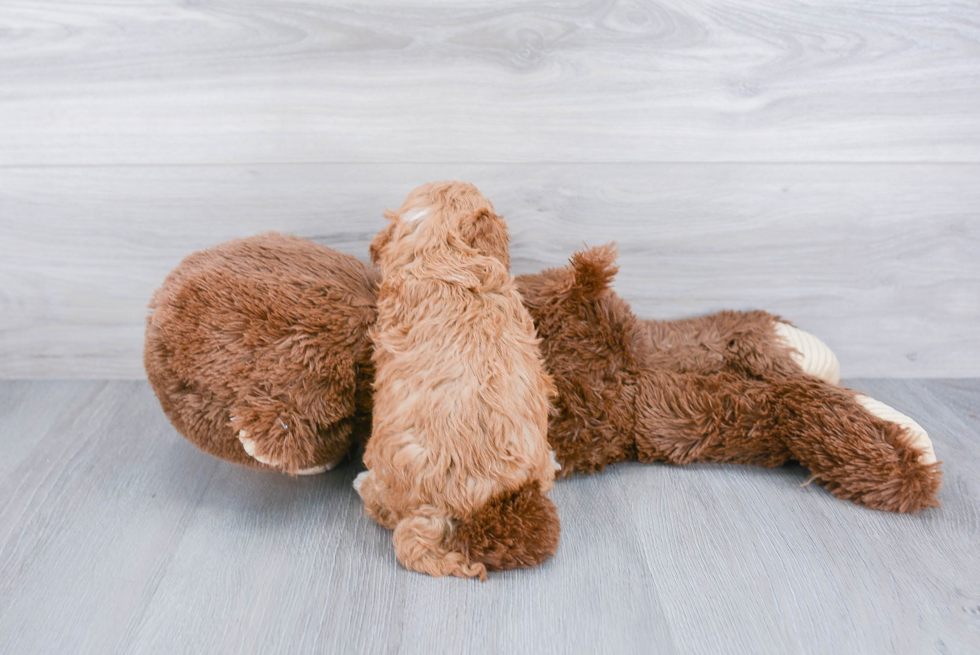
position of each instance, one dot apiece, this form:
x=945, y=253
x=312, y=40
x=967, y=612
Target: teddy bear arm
x=298, y=423
x=290, y=443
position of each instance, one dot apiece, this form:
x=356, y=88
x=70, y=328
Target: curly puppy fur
x=459, y=445
x=275, y=326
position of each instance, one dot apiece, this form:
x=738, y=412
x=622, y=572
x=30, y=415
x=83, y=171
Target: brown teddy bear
x=258, y=351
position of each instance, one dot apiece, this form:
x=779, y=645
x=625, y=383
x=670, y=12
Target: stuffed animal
x=258, y=351
x=461, y=399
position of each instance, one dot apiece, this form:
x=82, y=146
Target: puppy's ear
x=486, y=233
x=382, y=238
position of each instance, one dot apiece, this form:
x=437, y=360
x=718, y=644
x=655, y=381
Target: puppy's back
x=459, y=462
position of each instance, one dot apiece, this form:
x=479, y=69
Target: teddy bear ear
x=594, y=269
x=486, y=233
x=382, y=238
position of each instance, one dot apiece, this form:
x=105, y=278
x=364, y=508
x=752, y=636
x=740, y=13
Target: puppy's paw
x=919, y=437
x=359, y=481
x=810, y=353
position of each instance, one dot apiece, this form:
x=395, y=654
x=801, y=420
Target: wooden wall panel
x=226, y=82
x=880, y=261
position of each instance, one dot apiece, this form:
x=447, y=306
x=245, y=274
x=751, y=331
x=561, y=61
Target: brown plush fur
x=461, y=399
x=717, y=388
x=631, y=389
x=266, y=335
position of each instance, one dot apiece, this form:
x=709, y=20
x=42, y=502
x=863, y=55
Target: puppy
x=458, y=459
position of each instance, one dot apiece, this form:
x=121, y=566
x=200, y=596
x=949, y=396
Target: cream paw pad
x=810, y=353
x=249, y=446
x=920, y=438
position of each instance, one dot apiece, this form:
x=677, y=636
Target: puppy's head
x=440, y=216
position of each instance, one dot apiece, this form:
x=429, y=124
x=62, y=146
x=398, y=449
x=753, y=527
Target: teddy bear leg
x=685, y=418
x=857, y=454
x=920, y=438
x=860, y=449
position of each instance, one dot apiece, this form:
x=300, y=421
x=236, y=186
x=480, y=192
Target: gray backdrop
x=820, y=160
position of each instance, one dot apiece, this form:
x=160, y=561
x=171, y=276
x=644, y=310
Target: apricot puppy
x=458, y=459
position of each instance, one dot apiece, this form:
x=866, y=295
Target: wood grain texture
x=216, y=81
x=117, y=536
x=879, y=261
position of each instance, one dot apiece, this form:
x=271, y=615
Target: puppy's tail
x=515, y=530
x=420, y=546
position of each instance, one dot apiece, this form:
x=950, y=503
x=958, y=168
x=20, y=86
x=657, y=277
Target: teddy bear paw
x=919, y=437
x=317, y=470
x=249, y=446
x=810, y=353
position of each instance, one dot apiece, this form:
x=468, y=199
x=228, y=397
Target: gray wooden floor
x=117, y=536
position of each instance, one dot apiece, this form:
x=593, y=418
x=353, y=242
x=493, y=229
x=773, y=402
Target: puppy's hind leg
x=420, y=545
x=372, y=494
